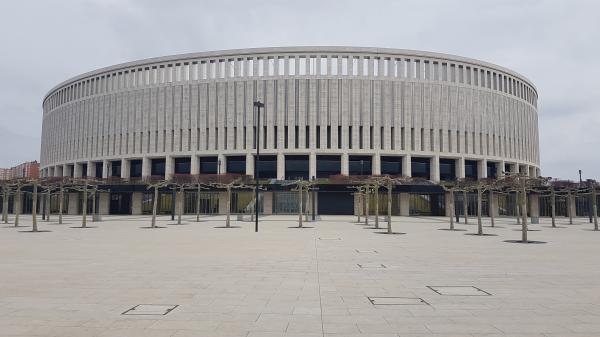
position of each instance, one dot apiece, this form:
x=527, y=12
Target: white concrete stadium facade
x=338, y=101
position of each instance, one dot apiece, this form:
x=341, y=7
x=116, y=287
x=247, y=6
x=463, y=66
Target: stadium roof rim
x=284, y=50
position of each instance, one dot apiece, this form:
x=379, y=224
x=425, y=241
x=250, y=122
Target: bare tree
x=301, y=186
x=388, y=183
x=87, y=186
x=452, y=187
x=229, y=183
x=17, y=186
x=155, y=184
x=6, y=192
x=523, y=184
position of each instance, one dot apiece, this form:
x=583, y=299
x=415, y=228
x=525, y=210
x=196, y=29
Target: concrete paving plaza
x=298, y=282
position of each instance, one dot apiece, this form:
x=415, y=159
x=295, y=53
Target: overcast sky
x=555, y=44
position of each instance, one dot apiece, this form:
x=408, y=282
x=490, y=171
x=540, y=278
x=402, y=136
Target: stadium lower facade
x=328, y=111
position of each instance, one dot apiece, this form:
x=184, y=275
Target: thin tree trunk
x=198, y=204
x=17, y=206
x=553, y=206
x=479, y=206
x=307, y=208
x=376, y=206
x=466, y=207
x=154, y=204
x=360, y=206
x=85, y=201
x=524, y=214
x=518, y=207
x=33, y=208
x=594, y=209
x=300, y=192
x=179, y=205
x=389, y=209
x=569, y=209
x=367, y=197
x=61, y=198
x=46, y=197
x=451, y=196
x=492, y=208
x=227, y=219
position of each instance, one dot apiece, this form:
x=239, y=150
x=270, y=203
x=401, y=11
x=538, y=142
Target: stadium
x=328, y=112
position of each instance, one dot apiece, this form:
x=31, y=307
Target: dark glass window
x=209, y=165
x=267, y=167
x=84, y=170
x=296, y=167
x=391, y=165
x=359, y=165
x=471, y=169
x=328, y=166
x=507, y=168
x=420, y=167
x=115, y=168
x=157, y=167
x=182, y=165
x=236, y=164
x=492, y=172
x=98, y=170
x=135, y=168
x=447, y=169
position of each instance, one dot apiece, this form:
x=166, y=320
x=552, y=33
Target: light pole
x=589, y=199
x=258, y=105
x=313, y=202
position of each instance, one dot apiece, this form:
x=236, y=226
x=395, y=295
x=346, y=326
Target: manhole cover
x=329, y=239
x=459, y=291
x=371, y=265
x=397, y=301
x=151, y=309
x=367, y=251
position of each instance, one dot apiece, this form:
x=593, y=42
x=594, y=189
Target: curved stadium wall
x=328, y=111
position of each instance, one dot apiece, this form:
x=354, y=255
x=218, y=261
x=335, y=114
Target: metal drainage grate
x=368, y=251
x=151, y=309
x=459, y=291
x=370, y=265
x=329, y=239
x=397, y=301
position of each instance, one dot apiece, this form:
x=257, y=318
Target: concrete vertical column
x=267, y=202
x=169, y=167
x=194, y=165
x=534, y=205
x=77, y=170
x=494, y=204
x=531, y=171
x=407, y=165
x=125, y=168
x=136, y=203
x=91, y=169
x=73, y=203
x=103, y=203
x=146, y=167
x=280, y=166
x=482, y=169
x=344, y=164
x=572, y=205
x=404, y=204
x=376, y=165
x=500, y=169
x=250, y=164
x=460, y=167
x=312, y=165
x=221, y=168
x=105, y=169
x=66, y=171
x=434, y=169
x=514, y=168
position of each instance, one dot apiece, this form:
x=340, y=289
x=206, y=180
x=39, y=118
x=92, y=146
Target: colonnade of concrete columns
x=76, y=169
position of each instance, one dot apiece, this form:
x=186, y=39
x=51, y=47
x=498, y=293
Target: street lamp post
x=313, y=202
x=258, y=105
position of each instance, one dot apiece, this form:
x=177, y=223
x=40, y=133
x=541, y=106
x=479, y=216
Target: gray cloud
x=553, y=43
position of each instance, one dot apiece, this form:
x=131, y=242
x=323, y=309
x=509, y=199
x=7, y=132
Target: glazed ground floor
x=325, y=200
